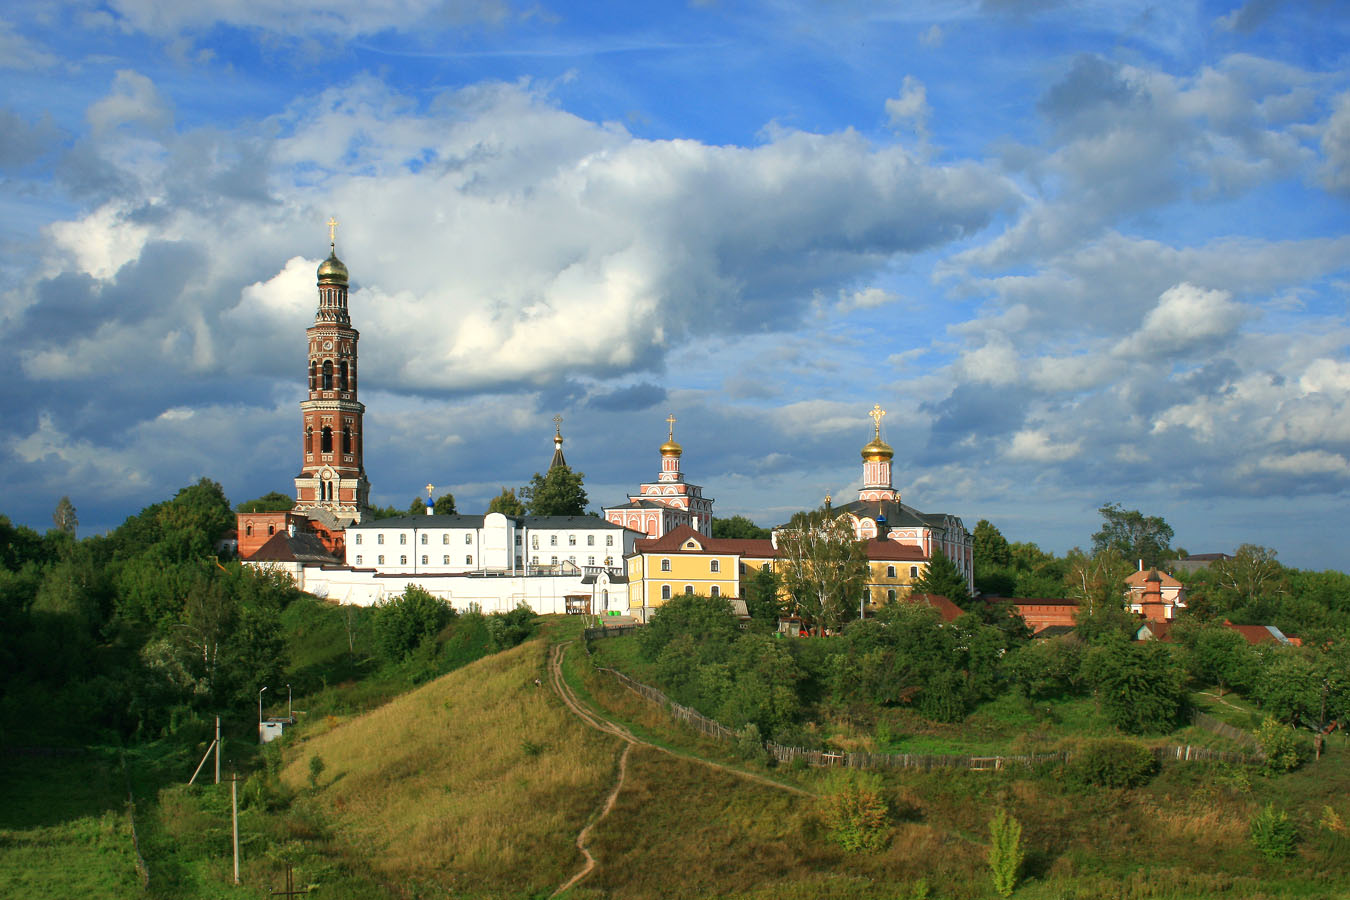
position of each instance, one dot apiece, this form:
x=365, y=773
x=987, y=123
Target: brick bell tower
x=332, y=476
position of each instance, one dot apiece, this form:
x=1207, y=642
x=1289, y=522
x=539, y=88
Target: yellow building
x=683, y=561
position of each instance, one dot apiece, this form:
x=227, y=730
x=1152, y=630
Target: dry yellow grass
x=478, y=781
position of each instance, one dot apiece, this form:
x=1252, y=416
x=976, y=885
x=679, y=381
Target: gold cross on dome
x=877, y=415
x=557, y=424
x=430, y=488
x=332, y=232
x=671, y=420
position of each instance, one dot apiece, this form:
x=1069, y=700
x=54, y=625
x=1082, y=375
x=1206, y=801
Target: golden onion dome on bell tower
x=877, y=449
x=332, y=270
x=670, y=447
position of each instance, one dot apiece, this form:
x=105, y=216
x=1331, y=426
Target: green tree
x=991, y=547
x=1220, y=656
x=762, y=596
x=272, y=501
x=1133, y=535
x=506, y=503
x=739, y=527
x=418, y=507
x=1252, y=576
x=558, y=492
x=941, y=577
x=1005, y=851
x=1139, y=685
x=444, y=505
x=64, y=517
x=704, y=619
x=1097, y=582
x=823, y=567
x=404, y=622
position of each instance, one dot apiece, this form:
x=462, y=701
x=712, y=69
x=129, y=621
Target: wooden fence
x=1209, y=723
x=717, y=731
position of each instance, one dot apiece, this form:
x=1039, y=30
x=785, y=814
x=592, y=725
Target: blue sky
x=1081, y=253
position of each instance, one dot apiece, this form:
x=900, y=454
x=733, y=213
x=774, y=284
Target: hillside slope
x=477, y=782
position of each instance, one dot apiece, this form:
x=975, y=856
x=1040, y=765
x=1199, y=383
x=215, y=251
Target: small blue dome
x=430, y=504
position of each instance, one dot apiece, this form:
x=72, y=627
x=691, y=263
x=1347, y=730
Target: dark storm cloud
x=628, y=399
x=972, y=415
x=23, y=142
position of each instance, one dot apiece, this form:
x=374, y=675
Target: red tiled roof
x=949, y=611
x=1137, y=579
x=888, y=549
x=673, y=542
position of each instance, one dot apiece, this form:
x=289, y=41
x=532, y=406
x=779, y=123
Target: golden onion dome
x=332, y=270
x=876, y=449
x=670, y=448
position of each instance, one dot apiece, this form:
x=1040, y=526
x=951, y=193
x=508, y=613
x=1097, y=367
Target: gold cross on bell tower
x=877, y=415
x=557, y=424
x=671, y=421
x=332, y=233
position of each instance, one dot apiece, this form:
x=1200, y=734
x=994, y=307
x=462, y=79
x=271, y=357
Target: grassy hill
x=477, y=782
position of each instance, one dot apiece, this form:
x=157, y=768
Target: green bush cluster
x=1112, y=764
x=1285, y=751
x=856, y=813
x=1272, y=833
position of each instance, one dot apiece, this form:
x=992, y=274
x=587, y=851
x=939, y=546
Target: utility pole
x=290, y=716
x=260, y=731
x=234, y=819
x=217, y=749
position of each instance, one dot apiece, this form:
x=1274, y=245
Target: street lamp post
x=290, y=716
x=260, y=731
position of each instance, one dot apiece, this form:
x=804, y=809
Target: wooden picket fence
x=1209, y=723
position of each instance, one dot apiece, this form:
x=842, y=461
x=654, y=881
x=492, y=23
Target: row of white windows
x=553, y=560
x=571, y=540
x=403, y=560
x=468, y=539
x=714, y=591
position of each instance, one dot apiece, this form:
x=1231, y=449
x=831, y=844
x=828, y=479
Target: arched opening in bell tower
x=326, y=440
x=342, y=375
x=327, y=374
x=313, y=375
x=347, y=439
x=309, y=440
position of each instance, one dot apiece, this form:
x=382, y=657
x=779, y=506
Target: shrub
x=856, y=813
x=316, y=767
x=1113, y=764
x=1273, y=835
x=749, y=743
x=1281, y=745
x=1005, y=851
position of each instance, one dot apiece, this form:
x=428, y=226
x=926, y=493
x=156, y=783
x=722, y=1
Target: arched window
x=271, y=530
x=913, y=571
x=342, y=375
x=890, y=595
x=714, y=566
x=590, y=540
x=313, y=374
x=665, y=565
x=716, y=591
x=665, y=592
x=309, y=440
x=867, y=595
x=326, y=439
x=689, y=589
x=347, y=439
x=890, y=571
x=327, y=374
x=248, y=530
x=358, y=538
